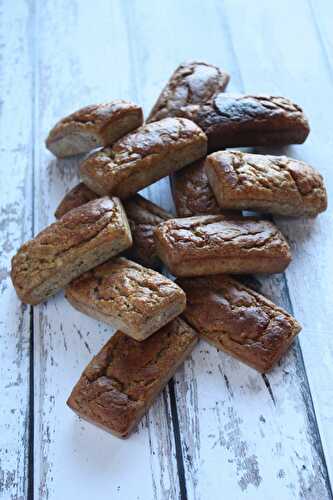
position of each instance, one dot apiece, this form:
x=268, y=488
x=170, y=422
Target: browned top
x=88, y=226
x=144, y=216
x=126, y=290
x=120, y=382
x=192, y=83
x=238, y=320
x=92, y=118
x=258, y=178
x=111, y=166
x=191, y=191
x=79, y=195
x=214, y=235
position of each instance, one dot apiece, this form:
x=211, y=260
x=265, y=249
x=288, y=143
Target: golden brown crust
x=79, y=195
x=143, y=157
x=93, y=126
x=274, y=184
x=238, y=320
x=214, y=244
x=144, y=216
x=191, y=84
x=121, y=382
x=128, y=296
x=83, y=238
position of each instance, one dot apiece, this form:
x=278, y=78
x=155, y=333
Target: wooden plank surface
x=72, y=456
x=15, y=226
x=219, y=429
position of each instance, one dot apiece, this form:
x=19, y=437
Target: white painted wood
x=84, y=57
x=290, y=44
x=235, y=438
x=15, y=226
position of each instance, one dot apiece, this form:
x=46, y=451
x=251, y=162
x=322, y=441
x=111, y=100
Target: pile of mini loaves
x=87, y=250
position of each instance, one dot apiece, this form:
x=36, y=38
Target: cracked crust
x=143, y=217
x=144, y=156
x=121, y=382
x=238, y=320
x=79, y=241
x=233, y=120
x=93, y=126
x=137, y=300
x=214, y=244
x=274, y=184
x=191, y=84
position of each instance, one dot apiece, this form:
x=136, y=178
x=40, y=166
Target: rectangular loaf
x=213, y=244
x=122, y=381
x=273, y=184
x=79, y=241
x=93, y=126
x=143, y=217
x=192, y=83
x=238, y=320
x=143, y=157
x=128, y=296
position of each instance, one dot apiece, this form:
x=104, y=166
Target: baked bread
x=232, y=120
x=213, y=244
x=191, y=191
x=273, y=184
x=93, y=126
x=128, y=296
x=238, y=320
x=80, y=240
x=79, y=195
x=191, y=84
x=143, y=157
x=121, y=382
x=144, y=216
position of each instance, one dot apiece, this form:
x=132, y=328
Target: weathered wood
x=16, y=103
x=253, y=436
x=84, y=57
x=289, y=58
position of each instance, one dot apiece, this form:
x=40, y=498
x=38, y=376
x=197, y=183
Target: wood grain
x=16, y=130
x=73, y=457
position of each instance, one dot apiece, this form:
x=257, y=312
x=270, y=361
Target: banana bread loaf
x=93, y=126
x=80, y=240
x=144, y=156
x=214, y=244
x=273, y=184
x=191, y=84
x=128, y=296
x=122, y=381
x=238, y=320
x=143, y=217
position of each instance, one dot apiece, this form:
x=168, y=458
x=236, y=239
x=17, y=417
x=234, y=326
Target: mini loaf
x=191, y=191
x=214, y=244
x=144, y=156
x=143, y=217
x=274, y=184
x=128, y=296
x=121, y=382
x=238, y=320
x=79, y=241
x=93, y=126
x=191, y=84
x=79, y=195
